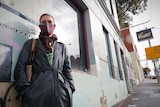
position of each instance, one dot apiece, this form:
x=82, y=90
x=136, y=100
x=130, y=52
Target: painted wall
x=136, y=68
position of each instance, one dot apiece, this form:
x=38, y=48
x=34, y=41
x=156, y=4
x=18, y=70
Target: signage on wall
x=152, y=52
x=144, y=35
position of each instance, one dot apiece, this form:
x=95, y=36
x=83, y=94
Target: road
x=146, y=94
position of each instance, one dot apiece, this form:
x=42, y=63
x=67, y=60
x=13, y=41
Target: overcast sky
x=152, y=16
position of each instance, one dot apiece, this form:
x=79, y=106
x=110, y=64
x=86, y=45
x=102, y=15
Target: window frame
x=109, y=57
x=80, y=8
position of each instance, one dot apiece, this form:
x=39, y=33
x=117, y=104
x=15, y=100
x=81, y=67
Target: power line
x=135, y=25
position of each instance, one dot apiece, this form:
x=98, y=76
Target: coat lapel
x=40, y=45
x=55, y=60
x=42, y=50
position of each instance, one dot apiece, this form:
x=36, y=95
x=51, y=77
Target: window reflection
x=67, y=30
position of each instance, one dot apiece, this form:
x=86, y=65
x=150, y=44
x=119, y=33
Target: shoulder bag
x=30, y=61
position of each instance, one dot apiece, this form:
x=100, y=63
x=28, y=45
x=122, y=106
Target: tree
x=125, y=7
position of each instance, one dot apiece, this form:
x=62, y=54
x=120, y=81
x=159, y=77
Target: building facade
x=137, y=68
x=89, y=28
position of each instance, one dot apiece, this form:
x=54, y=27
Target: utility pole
x=154, y=61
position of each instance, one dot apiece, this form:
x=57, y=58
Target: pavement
x=146, y=94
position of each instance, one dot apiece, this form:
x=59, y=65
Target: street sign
x=152, y=52
x=144, y=35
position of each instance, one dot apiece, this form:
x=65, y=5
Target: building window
x=109, y=54
x=119, y=68
x=69, y=19
x=122, y=68
x=110, y=1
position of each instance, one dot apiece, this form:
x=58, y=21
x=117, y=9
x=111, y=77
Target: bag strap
x=32, y=53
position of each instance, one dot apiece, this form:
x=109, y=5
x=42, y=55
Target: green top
x=49, y=57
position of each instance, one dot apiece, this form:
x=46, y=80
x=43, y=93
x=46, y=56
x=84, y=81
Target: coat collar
x=55, y=51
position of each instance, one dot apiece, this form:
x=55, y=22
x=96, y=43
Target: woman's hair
x=46, y=14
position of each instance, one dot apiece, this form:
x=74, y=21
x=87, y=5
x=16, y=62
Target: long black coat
x=52, y=85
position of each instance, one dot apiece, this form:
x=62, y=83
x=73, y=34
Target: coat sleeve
x=67, y=70
x=19, y=73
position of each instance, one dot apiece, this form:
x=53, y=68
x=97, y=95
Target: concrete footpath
x=146, y=94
